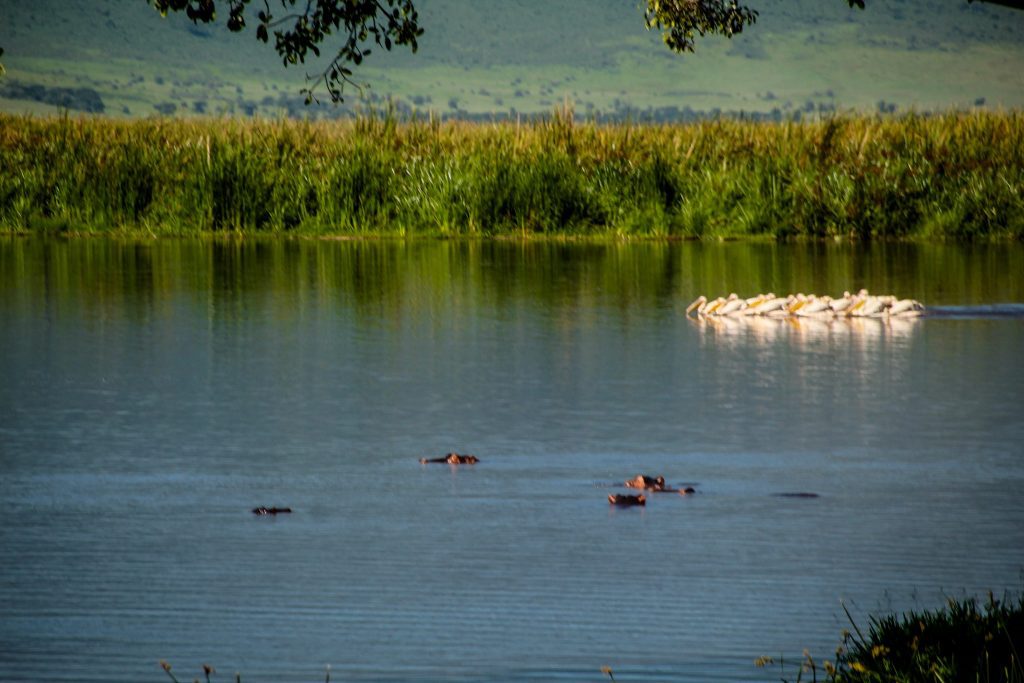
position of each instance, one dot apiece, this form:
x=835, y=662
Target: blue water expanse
x=152, y=394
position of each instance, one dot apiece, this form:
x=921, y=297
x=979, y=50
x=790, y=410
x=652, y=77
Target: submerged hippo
x=453, y=459
x=642, y=481
x=656, y=485
x=626, y=499
x=270, y=511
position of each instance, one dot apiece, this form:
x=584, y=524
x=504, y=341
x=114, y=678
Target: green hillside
x=119, y=57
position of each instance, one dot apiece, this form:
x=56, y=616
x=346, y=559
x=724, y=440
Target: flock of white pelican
x=859, y=305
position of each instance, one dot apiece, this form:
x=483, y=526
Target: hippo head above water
x=642, y=481
x=626, y=500
x=453, y=459
x=261, y=510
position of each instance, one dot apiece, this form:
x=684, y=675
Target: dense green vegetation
x=946, y=176
x=965, y=642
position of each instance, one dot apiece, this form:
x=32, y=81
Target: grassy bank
x=956, y=176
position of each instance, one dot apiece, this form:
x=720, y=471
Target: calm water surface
x=152, y=394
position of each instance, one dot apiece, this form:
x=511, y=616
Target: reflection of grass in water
x=964, y=642
x=392, y=279
x=945, y=176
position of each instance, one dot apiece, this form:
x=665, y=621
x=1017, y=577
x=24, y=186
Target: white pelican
x=815, y=307
x=857, y=302
x=698, y=304
x=756, y=302
x=859, y=305
x=840, y=305
x=712, y=307
x=906, y=308
x=870, y=307
x=732, y=305
x=799, y=302
x=773, y=305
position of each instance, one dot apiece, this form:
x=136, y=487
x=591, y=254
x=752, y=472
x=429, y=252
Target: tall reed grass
x=947, y=176
x=967, y=641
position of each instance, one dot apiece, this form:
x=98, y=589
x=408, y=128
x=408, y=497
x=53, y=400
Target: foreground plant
x=965, y=641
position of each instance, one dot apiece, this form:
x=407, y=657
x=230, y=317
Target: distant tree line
x=79, y=99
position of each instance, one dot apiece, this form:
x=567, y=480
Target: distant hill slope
x=522, y=56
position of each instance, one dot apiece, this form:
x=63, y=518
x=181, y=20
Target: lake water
x=152, y=394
